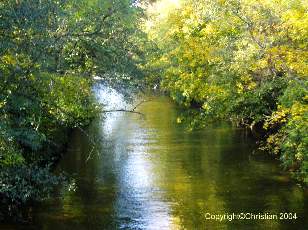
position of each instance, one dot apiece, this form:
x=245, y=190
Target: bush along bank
x=33, y=136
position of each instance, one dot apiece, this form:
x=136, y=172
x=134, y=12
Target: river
x=148, y=172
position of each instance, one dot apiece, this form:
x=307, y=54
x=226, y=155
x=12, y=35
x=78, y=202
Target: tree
x=239, y=60
x=49, y=53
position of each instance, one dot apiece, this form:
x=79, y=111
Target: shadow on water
x=150, y=173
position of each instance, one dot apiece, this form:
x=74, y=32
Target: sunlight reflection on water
x=111, y=101
x=139, y=198
x=150, y=173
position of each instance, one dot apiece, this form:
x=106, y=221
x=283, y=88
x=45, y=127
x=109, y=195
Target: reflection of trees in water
x=154, y=171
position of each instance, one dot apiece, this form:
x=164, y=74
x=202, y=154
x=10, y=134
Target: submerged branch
x=133, y=110
x=123, y=110
x=94, y=142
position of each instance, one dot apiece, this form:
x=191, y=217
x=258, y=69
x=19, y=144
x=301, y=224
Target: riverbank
x=150, y=171
x=50, y=53
x=243, y=61
x=29, y=151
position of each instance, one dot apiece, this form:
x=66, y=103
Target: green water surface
x=151, y=173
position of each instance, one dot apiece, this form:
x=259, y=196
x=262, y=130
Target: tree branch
x=122, y=110
x=133, y=110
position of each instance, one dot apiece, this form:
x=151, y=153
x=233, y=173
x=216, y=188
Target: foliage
x=49, y=53
x=240, y=60
x=288, y=128
x=21, y=184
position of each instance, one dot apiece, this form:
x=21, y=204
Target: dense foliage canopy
x=49, y=52
x=239, y=59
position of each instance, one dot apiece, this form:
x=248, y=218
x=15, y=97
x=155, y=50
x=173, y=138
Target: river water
x=148, y=172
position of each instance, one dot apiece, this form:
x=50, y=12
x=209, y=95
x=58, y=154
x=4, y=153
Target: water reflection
x=139, y=203
x=152, y=174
